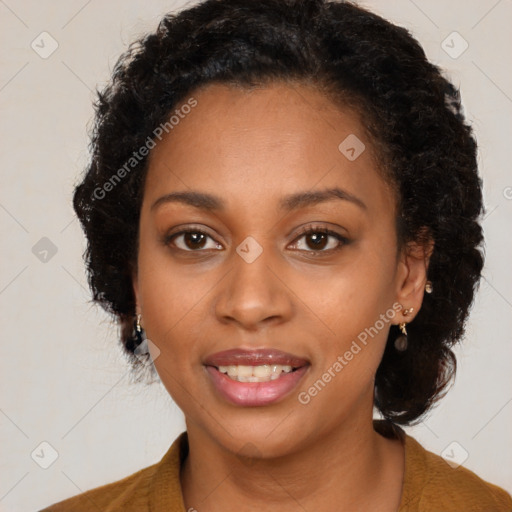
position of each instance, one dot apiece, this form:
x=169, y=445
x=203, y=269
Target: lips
x=253, y=394
x=254, y=357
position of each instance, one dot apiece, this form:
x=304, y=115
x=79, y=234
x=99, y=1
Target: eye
x=317, y=239
x=192, y=240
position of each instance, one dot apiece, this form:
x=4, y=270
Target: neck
x=351, y=467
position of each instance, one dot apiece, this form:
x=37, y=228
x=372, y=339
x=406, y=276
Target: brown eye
x=317, y=239
x=194, y=240
x=191, y=241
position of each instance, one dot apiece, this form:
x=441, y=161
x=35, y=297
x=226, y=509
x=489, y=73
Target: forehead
x=264, y=142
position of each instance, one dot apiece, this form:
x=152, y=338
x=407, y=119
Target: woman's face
x=254, y=280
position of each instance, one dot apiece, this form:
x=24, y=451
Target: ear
x=412, y=275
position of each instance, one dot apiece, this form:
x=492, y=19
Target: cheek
x=359, y=315
x=359, y=311
x=359, y=291
x=171, y=303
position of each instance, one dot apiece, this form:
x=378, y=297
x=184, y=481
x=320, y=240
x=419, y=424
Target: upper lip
x=254, y=357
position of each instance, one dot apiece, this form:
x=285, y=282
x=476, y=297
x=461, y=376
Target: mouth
x=259, y=373
x=255, y=377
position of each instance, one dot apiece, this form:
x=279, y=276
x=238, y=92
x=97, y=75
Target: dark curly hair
x=413, y=114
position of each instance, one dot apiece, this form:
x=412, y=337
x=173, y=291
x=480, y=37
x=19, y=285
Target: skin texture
x=251, y=148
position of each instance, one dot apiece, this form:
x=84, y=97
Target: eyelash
x=324, y=231
x=304, y=232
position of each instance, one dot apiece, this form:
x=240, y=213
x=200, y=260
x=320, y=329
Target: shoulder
x=431, y=484
x=156, y=487
x=132, y=490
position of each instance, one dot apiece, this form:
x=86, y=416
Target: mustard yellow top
x=430, y=485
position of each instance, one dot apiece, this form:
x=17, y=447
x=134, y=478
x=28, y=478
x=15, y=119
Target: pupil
x=194, y=238
x=318, y=239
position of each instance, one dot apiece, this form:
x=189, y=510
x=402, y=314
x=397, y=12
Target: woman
x=282, y=211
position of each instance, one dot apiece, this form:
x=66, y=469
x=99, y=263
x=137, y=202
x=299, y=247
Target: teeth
x=261, y=373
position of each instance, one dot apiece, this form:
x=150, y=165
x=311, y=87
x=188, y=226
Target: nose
x=254, y=293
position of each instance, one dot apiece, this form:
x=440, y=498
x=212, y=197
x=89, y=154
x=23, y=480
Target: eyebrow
x=209, y=202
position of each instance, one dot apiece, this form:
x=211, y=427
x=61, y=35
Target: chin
x=258, y=436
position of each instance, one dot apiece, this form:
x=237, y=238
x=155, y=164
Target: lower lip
x=253, y=394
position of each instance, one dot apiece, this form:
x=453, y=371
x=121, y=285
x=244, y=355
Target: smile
x=260, y=373
x=254, y=386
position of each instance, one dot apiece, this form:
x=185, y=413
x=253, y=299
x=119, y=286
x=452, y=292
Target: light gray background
x=63, y=378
